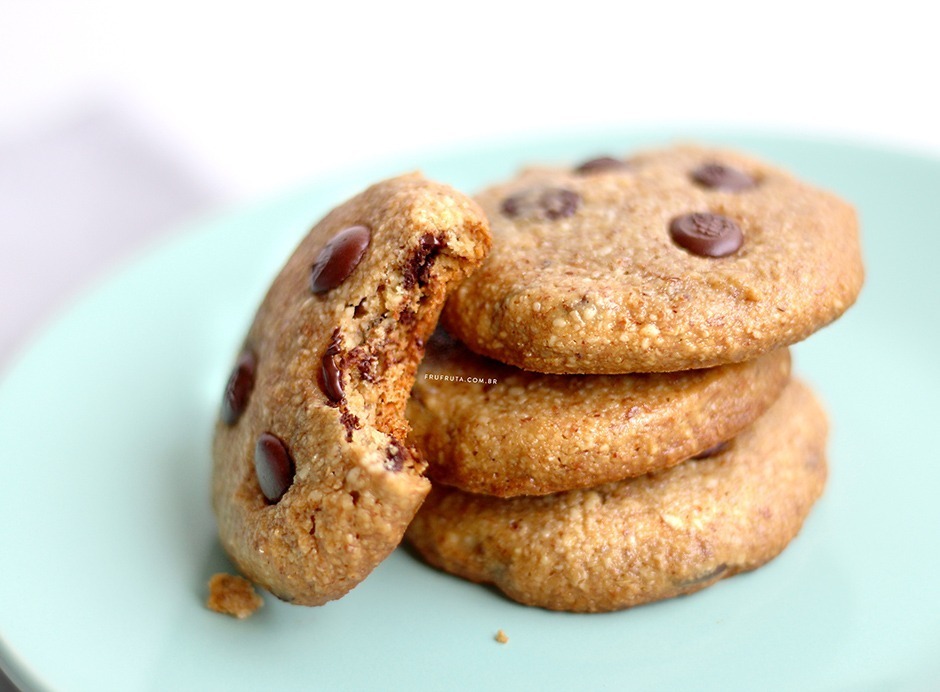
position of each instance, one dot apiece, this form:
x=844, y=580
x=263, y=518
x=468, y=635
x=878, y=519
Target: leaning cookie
x=674, y=259
x=313, y=484
x=637, y=541
x=490, y=428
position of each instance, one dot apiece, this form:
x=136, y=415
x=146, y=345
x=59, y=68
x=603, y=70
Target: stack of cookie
x=619, y=424
x=615, y=422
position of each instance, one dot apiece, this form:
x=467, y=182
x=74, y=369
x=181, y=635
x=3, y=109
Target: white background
x=118, y=120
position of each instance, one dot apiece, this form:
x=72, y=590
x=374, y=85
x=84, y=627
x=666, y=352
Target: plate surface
x=107, y=537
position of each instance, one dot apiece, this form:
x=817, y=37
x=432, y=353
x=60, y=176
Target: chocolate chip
x=713, y=450
x=331, y=372
x=418, y=268
x=273, y=467
x=602, y=164
x=706, y=234
x=339, y=258
x=364, y=362
x=408, y=317
x=551, y=203
x=718, y=176
x=512, y=206
x=395, y=457
x=238, y=388
x=350, y=422
x=559, y=203
x=332, y=377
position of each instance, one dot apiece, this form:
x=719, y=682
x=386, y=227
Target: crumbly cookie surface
x=313, y=483
x=674, y=259
x=490, y=428
x=641, y=540
x=232, y=595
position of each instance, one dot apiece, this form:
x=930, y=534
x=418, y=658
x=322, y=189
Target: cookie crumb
x=501, y=637
x=232, y=595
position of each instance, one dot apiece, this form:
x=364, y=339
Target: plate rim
x=16, y=668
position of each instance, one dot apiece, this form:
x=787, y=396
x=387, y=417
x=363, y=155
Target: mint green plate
x=107, y=537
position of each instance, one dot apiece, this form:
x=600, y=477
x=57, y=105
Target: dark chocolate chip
x=350, y=422
x=238, y=388
x=706, y=234
x=713, y=451
x=557, y=203
x=339, y=258
x=602, y=164
x=408, y=317
x=512, y=206
x=273, y=467
x=551, y=203
x=395, y=457
x=332, y=377
x=718, y=176
x=364, y=361
x=418, y=268
x=431, y=246
x=331, y=371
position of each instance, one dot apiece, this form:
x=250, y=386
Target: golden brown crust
x=356, y=485
x=641, y=540
x=605, y=289
x=489, y=428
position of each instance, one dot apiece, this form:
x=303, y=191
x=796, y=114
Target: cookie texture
x=313, y=484
x=672, y=260
x=642, y=540
x=232, y=595
x=490, y=428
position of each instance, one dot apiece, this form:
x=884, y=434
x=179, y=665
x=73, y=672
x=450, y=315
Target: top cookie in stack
x=670, y=260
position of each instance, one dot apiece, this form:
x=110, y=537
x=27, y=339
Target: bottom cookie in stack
x=644, y=539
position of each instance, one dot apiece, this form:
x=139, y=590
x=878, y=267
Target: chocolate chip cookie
x=645, y=539
x=672, y=260
x=313, y=483
x=490, y=428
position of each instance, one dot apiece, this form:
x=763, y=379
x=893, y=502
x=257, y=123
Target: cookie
x=675, y=259
x=490, y=428
x=642, y=540
x=313, y=484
